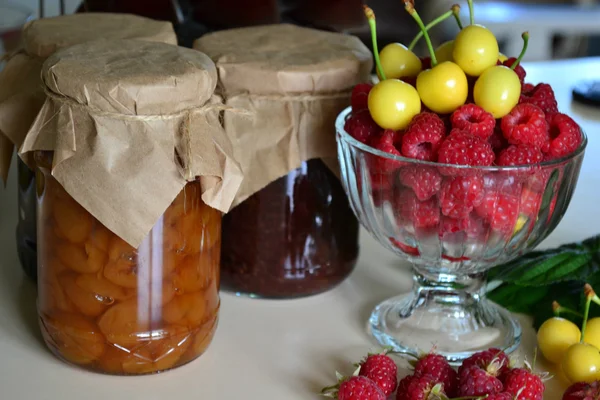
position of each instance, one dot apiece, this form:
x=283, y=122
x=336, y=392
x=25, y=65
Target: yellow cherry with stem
x=581, y=362
x=557, y=334
x=498, y=89
x=592, y=328
x=397, y=61
x=392, y=103
x=444, y=51
x=433, y=23
x=444, y=87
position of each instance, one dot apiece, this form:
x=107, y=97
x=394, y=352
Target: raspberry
x=454, y=225
x=360, y=97
x=359, y=388
x=500, y=209
x=474, y=120
x=500, y=396
x=522, y=154
x=582, y=391
x=411, y=80
x=423, y=137
x=542, y=96
x=493, y=360
x=382, y=370
x=530, y=202
x=526, y=124
x=527, y=88
x=497, y=140
x=422, y=214
x=361, y=126
x=519, y=70
x=420, y=388
x=459, y=195
x=474, y=381
x=425, y=63
x=438, y=368
x=424, y=181
x=462, y=148
x=565, y=135
x=384, y=142
x=524, y=385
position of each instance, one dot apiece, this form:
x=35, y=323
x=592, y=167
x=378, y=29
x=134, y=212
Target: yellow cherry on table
x=444, y=51
x=393, y=104
x=592, y=332
x=475, y=49
x=497, y=90
x=581, y=363
x=555, y=336
x=398, y=61
x=443, y=88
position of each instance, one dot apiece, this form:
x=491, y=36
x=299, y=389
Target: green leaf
x=557, y=269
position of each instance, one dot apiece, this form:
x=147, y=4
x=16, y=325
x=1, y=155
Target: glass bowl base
x=420, y=322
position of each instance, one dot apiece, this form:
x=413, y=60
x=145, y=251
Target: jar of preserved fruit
x=291, y=232
x=129, y=220
x=21, y=95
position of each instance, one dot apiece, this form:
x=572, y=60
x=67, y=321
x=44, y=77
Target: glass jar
x=108, y=307
x=296, y=237
x=26, y=225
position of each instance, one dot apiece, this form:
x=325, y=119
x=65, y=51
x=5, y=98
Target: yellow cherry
x=502, y=57
x=592, y=332
x=497, y=90
x=475, y=49
x=581, y=363
x=443, y=88
x=398, y=61
x=555, y=336
x=393, y=104
x=444, y=51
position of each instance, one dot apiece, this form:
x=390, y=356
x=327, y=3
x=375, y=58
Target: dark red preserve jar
x=291, y=231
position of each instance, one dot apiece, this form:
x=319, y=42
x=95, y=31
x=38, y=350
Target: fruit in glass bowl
x=454, y=195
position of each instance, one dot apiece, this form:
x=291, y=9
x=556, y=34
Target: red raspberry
x=439, y=369
x=519, y=70
x=411, y=80
x=462, y=148
x=473, y=119
x=521, y=154
x=422, y=214
x=411, y=251
x=530, y=202
x=423, y=137
x=454, y=225
x=460, y=194
x=500, y=209
x=565, y=135
x=542, y=96
x=526, y=124
x=384, y=142
x=361, y=126
x=359, y=388
x=382, y=370
x=524, y=385
x=425, y=63
x=497, y=140
x=493, y=360
x=582, y=391
x=360, y=97
x=527, y=88
x=500, y=396
x=474, y=381
x=424, y=181
x=420, y=388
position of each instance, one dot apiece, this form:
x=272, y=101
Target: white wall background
x=51, y=6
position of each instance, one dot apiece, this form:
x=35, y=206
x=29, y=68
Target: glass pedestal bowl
x=452, y=224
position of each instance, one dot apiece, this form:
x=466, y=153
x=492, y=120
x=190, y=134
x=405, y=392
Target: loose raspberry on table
x=422, y=214
x=520, y=154
x=384, y=142
x=361, y=126
x=424, y=181
x=565, y=135
x=438, y=368
x=473, y=119
x=582, y=391
x=524, y=384
x=501, y=210
x=542, y=96
x=359, y=99
x=462, y=148
x=493, y=360
x=519, y=70
x=459, y=195
x=526, y=124
x=423, y=137
x=382, y=370
x=360, y=388
x=475, y=381
x=420, y=388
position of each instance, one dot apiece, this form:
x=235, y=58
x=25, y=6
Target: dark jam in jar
x=296, y=237
x=26, y=226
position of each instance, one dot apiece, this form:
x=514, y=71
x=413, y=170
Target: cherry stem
x=471, y=12
x=456, y=12
x=409, y=6
x=373, y=25
x=525, y=36
x=557, y=309
x=430, y=25
x=589, y=295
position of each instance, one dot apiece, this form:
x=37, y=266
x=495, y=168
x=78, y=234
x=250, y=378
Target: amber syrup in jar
x=296, y=237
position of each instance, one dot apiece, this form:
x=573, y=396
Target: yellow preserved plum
x=85, y=260
x=72, y=221
x=87, y=302
x=194, y=273
x=124, y=324
x=101, y=287
x=187, y=309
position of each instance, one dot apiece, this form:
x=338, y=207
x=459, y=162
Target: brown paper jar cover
x=21, y=94
x=130, y=122
x=294, y=81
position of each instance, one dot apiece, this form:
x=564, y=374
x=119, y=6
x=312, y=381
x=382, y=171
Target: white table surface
x=267, y=349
